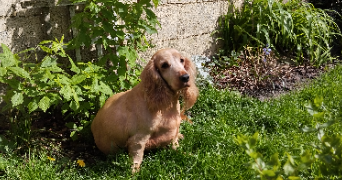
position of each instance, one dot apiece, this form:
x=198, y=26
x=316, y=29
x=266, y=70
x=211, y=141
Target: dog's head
x=169, y=73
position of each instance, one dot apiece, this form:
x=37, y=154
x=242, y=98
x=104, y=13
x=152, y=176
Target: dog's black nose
x=184, y=78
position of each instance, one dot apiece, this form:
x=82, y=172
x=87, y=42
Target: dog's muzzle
x=184, y=78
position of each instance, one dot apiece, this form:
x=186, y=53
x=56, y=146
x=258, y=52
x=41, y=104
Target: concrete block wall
x=24, y=23
x=185, y=24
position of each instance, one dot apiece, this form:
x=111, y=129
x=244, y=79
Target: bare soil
x=270, y=80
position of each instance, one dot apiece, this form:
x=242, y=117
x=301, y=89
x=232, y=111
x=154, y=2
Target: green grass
x=208, y=150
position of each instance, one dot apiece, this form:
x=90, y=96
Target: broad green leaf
x=78, y=78
x=240, y=139
x=155, y=2
x=122, y=50
x=318, y=115
x=7, y=58
x=279, y=178
x=74, y=135
x=71, y=125
x=318, y=101
x=288, y=169
x=261, y=163
x=33, y=105
x=104, y=88
x=310, y=109
x=62, y=79
x=20, y=72
x=55, y=69
x=45, y=76
x=102, y=99
x=66, y=92
x=274, y=162
x=132, y=57
x=17, y=99
x=74, y=105
x=75, y=96
x=49, y=61
x=252, y=153
x=308, y=129
x=44, y=103
x=15, y=84
x=74, y=68
x=294, y=178
x=150, y=29
x=95, y=85
x=268, y=173
x=306, y=158
x=254, y=139
x=2, y=71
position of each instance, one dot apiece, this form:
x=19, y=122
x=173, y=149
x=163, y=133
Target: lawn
x=208, y=150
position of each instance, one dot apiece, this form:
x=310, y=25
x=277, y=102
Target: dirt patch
x=267, y=81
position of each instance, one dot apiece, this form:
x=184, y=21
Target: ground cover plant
x=209, y=150
x=222, y=142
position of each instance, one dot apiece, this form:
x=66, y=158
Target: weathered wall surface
x=23, y=23
x=185, y=24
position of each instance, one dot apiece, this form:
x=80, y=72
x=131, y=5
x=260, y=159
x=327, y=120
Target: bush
x=76, y=89
x=334, y=9
x=323, y=160
x=295, y=27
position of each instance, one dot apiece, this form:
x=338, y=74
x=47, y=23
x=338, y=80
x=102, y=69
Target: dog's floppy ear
x=156, y=91
x=190, y=94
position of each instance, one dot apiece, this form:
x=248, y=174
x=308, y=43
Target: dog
x=149, y=115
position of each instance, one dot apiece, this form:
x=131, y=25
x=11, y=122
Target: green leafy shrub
x=36, y=87
x=119, y=27
x=76, y=89
x=323, y=160
x=294, y=27
x=334, y=9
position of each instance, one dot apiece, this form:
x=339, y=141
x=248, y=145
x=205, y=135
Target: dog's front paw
x=180, y=136
x=175, y=143
x=135, y=168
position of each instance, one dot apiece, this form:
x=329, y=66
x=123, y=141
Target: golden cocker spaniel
x=149, y=115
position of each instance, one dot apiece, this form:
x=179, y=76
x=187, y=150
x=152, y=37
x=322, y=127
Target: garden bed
x=285, y=79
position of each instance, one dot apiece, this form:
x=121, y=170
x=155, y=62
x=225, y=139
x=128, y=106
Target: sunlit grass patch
x=208, y=150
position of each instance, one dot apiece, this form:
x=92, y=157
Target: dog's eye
x=165, y=65
x=181, y=60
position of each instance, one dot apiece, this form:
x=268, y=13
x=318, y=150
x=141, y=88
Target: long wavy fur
x=190, y=94
x=157, y=93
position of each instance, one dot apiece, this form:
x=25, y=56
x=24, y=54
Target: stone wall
x=185, y=24
x=23, y=23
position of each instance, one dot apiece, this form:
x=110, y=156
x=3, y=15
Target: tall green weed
x=294, y=28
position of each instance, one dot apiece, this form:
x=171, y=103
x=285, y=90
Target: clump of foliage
x=294, y=28
x=324, y=157
x=334, y=5
x=34, y=88
x=334, y=9
x=76, y=89
x=119, y=27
